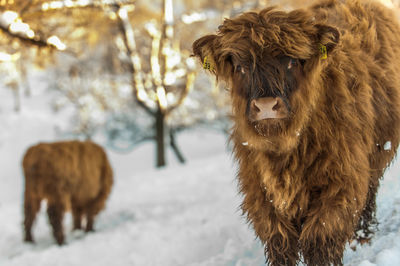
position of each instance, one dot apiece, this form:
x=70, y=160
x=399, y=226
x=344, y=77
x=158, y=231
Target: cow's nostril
x=254, y=106
x=276, y=106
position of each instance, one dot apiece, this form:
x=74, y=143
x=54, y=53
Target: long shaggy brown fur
x=310, y=165
x=70, y=174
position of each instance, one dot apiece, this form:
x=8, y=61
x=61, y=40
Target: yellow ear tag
x=207, y=64
x=322, y=51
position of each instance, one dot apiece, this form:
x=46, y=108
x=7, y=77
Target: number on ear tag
x=322, y=51
x=207, y=64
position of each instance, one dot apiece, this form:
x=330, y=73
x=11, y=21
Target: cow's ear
x=327, y=36
x=203, y=49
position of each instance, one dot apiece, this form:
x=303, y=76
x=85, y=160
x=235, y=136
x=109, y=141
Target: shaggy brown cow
x=67, y=174
x=316, y=106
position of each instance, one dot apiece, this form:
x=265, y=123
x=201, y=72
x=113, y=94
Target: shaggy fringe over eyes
x=276, y=31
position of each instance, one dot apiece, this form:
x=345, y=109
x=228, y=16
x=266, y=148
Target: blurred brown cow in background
x=70, y=174
x=316, y=105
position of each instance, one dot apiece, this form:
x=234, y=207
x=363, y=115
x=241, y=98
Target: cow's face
x=266, y=90
x=270, y=60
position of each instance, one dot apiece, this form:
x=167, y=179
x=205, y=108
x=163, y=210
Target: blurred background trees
x=121, y=69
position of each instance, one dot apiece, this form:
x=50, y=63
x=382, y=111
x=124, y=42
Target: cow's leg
x=31, y=207
x=55, y=211
x=331, y=219
x=89, y=222
x=281, y=248
x=77, y=215
x=367, y=223
x=276, y=232
x=322, y=247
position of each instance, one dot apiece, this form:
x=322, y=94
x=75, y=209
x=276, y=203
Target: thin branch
x=31, y=41
x=12, y=26
x=58, y=5
x=190, y=77
x=130, y=147
x=175, y=147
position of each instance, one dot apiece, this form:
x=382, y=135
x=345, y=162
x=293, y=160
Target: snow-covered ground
x=181, y=215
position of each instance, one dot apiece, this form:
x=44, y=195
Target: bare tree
x=167, y=66
x=161, y=72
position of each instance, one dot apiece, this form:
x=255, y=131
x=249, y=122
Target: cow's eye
x=292, y=63
x=288, y=62
x=239, y=69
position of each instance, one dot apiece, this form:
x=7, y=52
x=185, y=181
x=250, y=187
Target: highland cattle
x=316, y=108
x=68, y=175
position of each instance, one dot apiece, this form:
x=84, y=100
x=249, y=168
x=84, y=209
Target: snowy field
x=182, y=215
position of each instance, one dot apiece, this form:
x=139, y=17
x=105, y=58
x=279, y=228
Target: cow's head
x=271, y=61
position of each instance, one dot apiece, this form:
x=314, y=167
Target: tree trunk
x=175, y=148
x=17, y=100
x=160, y=140
x=24, y=77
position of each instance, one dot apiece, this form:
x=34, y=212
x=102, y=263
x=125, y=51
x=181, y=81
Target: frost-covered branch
x=165, y=62
x=13, y=26
x=140, y=93
x=190, y=77
x=69, y=4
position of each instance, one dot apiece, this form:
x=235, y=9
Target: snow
x=387, y=146
x=180, y=215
